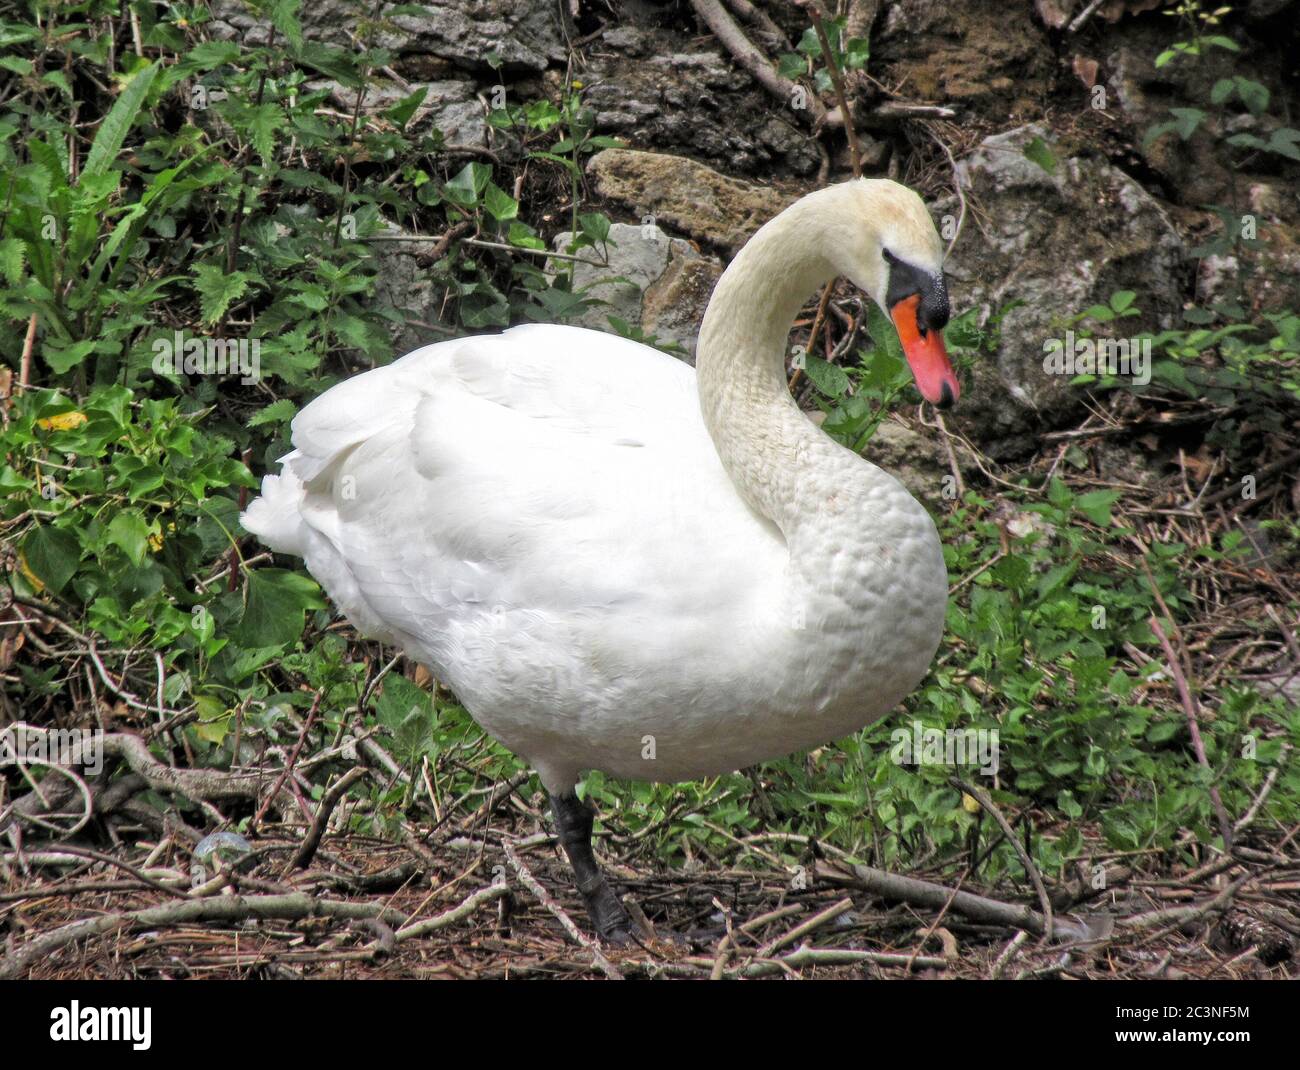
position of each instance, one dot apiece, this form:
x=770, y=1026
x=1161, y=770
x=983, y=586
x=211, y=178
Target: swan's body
x=617, y=564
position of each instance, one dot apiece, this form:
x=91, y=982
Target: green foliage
x=857, y=398
x=847, y=54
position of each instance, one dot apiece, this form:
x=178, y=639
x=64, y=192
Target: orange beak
x=926, y=355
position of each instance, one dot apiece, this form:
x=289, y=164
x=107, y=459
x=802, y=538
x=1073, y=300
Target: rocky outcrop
x=519, y=34
x=685, y=195
x=1051, y=245
x=648, y=279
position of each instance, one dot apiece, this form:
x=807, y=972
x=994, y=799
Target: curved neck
x=767, y=444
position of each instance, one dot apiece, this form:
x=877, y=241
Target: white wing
x=541, y=517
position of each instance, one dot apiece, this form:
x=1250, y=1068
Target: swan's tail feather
x=276, y=517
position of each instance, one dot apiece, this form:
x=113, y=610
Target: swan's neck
x=781, y=463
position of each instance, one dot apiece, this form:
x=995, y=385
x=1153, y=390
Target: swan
x=619, y=562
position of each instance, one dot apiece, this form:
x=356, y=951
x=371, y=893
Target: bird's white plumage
x=543, y=519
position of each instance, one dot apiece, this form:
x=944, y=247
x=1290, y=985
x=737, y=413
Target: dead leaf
x=1086, y=69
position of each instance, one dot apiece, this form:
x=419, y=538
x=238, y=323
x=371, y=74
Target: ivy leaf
x=274, y=612
x=129, y=532
x=1038, y=151
x=499, y=203
x=465, y=187
x=52, y=555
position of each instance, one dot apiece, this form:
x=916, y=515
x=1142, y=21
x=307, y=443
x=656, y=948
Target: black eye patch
x=906, y=279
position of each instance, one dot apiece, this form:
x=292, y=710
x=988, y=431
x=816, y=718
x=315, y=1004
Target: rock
x=663, y=283
x=918, y=461
x=525, y=34
x=686, y=195
x=452, y=106
x=1263, y=279
x=1058, y=243
x=672, y=307
x=404, y=282
x=692, y=103
x=1143, y=94
x=979, y=51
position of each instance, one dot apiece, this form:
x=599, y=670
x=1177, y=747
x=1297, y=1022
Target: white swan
x=620, y=563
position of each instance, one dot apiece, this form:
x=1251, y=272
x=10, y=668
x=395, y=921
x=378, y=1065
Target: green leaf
x=1038, y=151
x=595, y=225
x=499, y=203
x=467, y=185
x=401, y=112
x=60, y=82
x=398, y=699
x=208, y=54
x=1186, y=120
x=1120, y=300
x=129, y=532
x=1284, y=143
x=117, y=124
x=1222, y=90
x=1253, y=94
x=284, y=17
x=1096, y=504
x=335, y=62
x=278, y=412
x=263, y=121
x=829, y=378
x=64, y=360
x=217, y=289
x=13, y=254
x=52, y=554
x=1222, y=42
x=275, y=608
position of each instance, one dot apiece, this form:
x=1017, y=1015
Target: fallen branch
x=1031, y=870
x=927, y=894
x=225, y=908
x=330, y=800
x=744, y=52
x=198, y=785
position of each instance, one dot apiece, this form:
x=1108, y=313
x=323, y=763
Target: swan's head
x=893, y=252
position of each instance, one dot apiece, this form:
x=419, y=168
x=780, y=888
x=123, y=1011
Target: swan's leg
x=573, y=821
